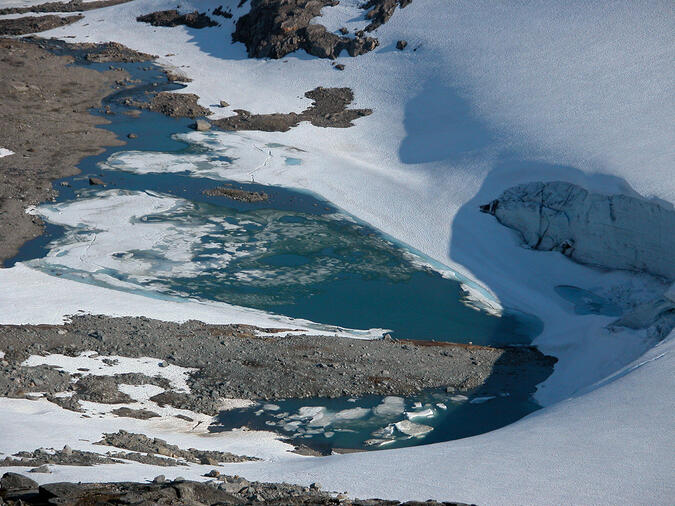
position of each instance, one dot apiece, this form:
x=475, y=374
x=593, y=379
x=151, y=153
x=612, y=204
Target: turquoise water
x=377, y=422
x=285, y=256
x=294, y=254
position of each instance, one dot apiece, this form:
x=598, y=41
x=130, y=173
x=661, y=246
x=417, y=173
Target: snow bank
x=5, y=152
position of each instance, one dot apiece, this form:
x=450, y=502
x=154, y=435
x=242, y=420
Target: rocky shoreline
x=244, y=362
x=45, y=121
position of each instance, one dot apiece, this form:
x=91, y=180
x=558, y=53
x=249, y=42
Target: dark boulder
x=16, y=481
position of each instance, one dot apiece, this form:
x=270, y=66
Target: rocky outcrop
x=275, y=28
x=608, y=231
x=64, y=457
x=175, y=105
x=112, y=51
x=221, y=489
x=174, y=18
x=34, y=24
x=381, y=10
x=140, y=414
x=72, y=6
x=329, y=109
x=143, y=444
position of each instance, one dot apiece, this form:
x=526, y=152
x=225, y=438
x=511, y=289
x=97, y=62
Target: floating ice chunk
x=384, y=432
x=390, y=406
x=5, y=152
x=441, y=405
x=378, y=442
x=352, y=414
x=481, y=400
x=425, y=413
x=318, y=415
x=373, y=442
x=329, y=434
x=310, y=411
x=412, y=429
x=291, y=426
x=417, y=405
x=459, y=398
x=271, y=407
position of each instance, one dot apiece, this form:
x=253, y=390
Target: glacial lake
x=152, y=230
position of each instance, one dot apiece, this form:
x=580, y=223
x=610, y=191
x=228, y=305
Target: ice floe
x=412, y=429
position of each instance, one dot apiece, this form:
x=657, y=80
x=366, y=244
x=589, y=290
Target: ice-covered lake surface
x=151, y=230
x=380, y=422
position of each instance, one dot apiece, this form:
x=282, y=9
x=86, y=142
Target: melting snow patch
x=140, y=392
x=5, y=152
x=91, y=363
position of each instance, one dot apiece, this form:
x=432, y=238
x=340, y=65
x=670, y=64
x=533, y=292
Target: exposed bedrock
x=144, y=444
x=275, y=28
x=175, y=105
x=607, y=231
x=174, y=18
x=381, y=10
x=328, y=109
x=34, y=24
x=71, y=6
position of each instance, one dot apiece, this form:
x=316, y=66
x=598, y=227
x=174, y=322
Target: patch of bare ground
x=45, y=121
x=328, y=109
x=34, y=24
x=72, y=6
x=234, y=361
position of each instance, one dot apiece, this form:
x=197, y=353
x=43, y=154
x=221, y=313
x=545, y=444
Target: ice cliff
x=609, y=231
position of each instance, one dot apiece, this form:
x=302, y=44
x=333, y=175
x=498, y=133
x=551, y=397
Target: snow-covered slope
x=486, y=96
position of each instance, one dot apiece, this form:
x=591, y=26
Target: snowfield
x=486, y=96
